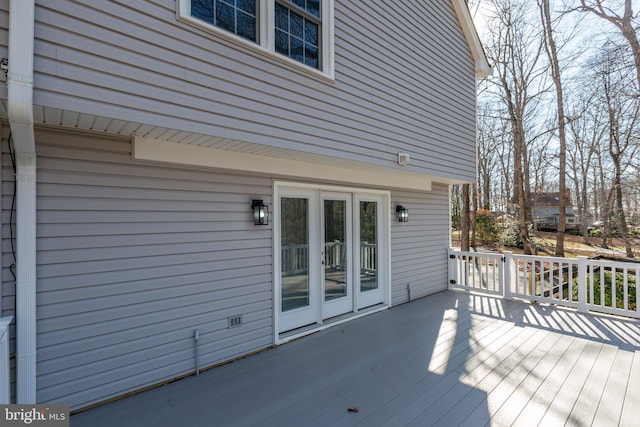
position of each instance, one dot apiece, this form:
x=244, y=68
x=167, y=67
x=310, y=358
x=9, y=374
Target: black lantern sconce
x=403, y=213
x=260, y=212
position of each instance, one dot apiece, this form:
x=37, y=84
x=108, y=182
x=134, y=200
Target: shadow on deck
x=448, y=359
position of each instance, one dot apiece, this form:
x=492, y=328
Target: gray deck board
x=448, y=359
x=631, y=407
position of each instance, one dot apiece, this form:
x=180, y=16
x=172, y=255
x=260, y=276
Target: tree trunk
x=552, y=53
x=464, y=236
x=474, y=209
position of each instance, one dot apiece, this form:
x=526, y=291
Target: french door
x=332, y=249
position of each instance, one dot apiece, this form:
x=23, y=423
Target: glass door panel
x=335, y=249
x=371, y=251
x=294, y=235
x=368, y=245
x=337, y=258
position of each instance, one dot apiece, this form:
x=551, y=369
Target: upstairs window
x=235, y=16
x=297, y=31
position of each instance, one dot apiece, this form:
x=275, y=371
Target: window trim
x=266, y=35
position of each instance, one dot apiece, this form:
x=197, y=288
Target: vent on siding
x=234, y=321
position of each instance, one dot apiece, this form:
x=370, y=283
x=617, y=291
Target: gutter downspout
x=20, y=112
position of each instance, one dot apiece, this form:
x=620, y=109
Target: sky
x=481, y=10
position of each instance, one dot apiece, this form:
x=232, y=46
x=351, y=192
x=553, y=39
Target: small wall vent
x=234, y=321
x=403, y=159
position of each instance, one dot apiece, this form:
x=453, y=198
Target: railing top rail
x=478, y=254
x=616, y=264
x=549, y=259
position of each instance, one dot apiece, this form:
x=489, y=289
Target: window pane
x=202, y=9
x=296, y=25
x=311, y=55
x=246, y=26
x=282, y=42
x=311, y=33
x=313, y=7
x=248, y=6
x=225, y=16
x=299, y=3
x=282, y=18
x=296, y=49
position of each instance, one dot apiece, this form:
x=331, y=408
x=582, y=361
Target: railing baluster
x=625, y=289
x=603, y=284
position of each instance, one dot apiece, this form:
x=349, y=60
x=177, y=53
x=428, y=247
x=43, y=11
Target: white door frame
x=384, y=265
x=310, y=312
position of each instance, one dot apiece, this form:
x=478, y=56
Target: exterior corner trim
x=20, y=113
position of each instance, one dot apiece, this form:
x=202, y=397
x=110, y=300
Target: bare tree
x=625, y=23
x=514, y=48
x=490, y=131
x=585, y=131
x=623, y=115
x=552, y=53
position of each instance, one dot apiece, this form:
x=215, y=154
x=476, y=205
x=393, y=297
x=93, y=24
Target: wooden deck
x=448, y=359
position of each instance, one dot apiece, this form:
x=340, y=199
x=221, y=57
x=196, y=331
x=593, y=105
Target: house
x=142, y=137
x=547, y=211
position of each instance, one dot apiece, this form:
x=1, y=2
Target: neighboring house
x=155, y=125
x=547, y=212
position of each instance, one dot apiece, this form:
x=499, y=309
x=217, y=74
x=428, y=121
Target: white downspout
x=20, y=112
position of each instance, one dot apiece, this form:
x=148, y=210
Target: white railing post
x=582, y=284
x=506, y=276
x=5, y=379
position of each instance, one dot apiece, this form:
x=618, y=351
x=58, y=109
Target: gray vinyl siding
x=419, y=247
x=131, y=259
x=404, y=80
x=7, y=295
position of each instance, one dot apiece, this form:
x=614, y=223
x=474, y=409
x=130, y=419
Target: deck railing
x=295, y=258
x=582, y=283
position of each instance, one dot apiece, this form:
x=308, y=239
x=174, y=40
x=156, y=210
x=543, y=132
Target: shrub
x=486, y=228
x=595, y=232
x=510, y=236
x=608, y=297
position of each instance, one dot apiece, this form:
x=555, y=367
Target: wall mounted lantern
x=403, y=213
x=260, y=212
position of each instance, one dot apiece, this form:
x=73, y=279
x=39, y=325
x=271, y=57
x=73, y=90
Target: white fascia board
x=169, y=152
x=482, y=67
